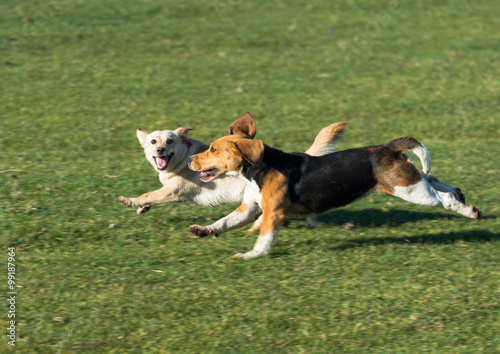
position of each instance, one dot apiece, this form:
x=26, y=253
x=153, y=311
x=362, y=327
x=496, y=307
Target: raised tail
x=411, y=144
x=327, y=139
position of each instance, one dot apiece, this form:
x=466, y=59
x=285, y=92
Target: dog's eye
x=212, y=149
x=153, y=141
x=170, y=141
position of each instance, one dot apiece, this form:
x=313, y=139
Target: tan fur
x=251, y=150
x=244, y=126
x=395, y=170
x=328, y=136
x=183, y=132
x=242, y=208
x=223, y=154
x=275, y=201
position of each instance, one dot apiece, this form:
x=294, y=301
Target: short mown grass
x=79, y=77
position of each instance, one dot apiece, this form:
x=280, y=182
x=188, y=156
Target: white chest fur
x=225, y=190
x=188, y=186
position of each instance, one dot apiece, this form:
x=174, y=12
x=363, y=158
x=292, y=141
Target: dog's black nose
x=189, y=160
x=160, y=150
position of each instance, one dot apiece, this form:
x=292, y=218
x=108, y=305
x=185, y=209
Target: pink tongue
x=161, y=162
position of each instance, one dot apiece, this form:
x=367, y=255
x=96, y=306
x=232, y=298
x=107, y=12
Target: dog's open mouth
x=162, y=161
x=208, y=175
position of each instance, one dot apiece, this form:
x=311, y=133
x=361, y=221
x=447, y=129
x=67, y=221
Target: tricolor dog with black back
x=284, y=184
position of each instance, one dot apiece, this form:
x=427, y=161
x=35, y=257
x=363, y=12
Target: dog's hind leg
x=443, y=187
x=440, y=185
x=424, y=194
x=311, y=222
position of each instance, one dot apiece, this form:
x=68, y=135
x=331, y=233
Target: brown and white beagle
x=281, y=184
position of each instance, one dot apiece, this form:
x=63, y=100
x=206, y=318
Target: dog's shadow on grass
x=419, y=240
x=377, y=218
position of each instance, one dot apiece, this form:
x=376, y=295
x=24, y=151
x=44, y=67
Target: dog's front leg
x=248, y=211
x=145, y=201
x=242, y=216
x=269, y=229
x=274, y=204
x=440, y=185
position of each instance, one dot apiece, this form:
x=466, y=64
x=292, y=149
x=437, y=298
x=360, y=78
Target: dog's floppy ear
x=141, y=136
x=251, y=150
x=244, y=125
x=183, y=132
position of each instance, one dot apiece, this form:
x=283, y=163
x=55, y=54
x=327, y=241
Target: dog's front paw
x=251, y=254
x=201, y=231
x=143, y=209
x=125, y=201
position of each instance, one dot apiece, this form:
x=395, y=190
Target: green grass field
x=79, y=77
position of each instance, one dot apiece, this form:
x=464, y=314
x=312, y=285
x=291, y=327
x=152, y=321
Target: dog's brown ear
x=251, y=150
x=244, y=125
x=141, y=135
x=183, y=132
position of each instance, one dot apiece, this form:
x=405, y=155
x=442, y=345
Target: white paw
x=251, y=254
